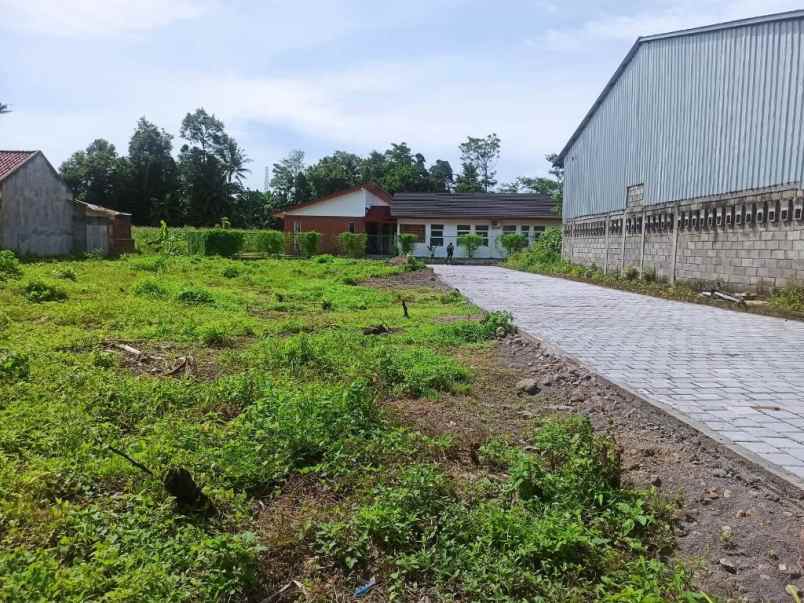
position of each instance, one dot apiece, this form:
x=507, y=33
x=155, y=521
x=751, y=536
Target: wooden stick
x=132, y=461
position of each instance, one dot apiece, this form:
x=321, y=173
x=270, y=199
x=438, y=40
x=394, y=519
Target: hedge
x=216, y=241
x=268, y=241
x=353, y=244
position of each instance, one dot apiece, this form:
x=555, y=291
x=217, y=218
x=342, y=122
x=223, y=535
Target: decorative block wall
x=743, y=240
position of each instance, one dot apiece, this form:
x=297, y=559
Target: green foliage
x=269, y=241
x=353, y=244
x=150, y=288
x=195, y=296
x=406, y=243
x=308, y=243
x=492, y=325
x=419, y=372
x=13, y=366
x=39, y=291
x=788, y=299
x=9, y=265
x=470, y=243
x=231, y=272
x=214, y=335
x=67, y=274
x=217, y=241
x=513, y=243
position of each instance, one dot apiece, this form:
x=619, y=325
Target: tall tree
x=334, y=173
x=468, y=181
x=482, y=153
x=441, y=177
x=4, y=109
x=234, y=159
x=153, y=177
x=283, y=179
x=98, y=175
x=251, y=209
x=302, y=192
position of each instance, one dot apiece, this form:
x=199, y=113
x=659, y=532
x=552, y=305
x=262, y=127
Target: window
x=352, y=226
x=537, y=231
x=483, y=231
x=464, y=229
x=297, y=227
x=416, y=230
x=436, y=235
x=634, y=195
x=509, y=229
x=524, y=229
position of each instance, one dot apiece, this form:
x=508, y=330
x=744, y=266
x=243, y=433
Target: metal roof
x=472, y=205
x=793, y=14
x=11, y=161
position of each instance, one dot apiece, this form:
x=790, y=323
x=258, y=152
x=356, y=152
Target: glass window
x=537, y=231
x=509, y=229
x=416, y=230
x=296, y=227
x=436, y=235
x=464, y=229
x=483, y=231
x=352, y=226
x=525, y=230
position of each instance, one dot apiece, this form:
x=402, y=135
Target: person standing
x=450, y=251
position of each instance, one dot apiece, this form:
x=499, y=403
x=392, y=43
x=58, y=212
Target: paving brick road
x=740, y=375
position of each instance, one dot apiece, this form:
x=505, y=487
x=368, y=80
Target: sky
x=325, y=76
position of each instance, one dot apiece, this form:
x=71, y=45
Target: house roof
x=369, y=186
x=794, y=14
x=11, y=161
x=472, y=205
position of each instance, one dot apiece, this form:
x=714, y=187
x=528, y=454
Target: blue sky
x=322, y=76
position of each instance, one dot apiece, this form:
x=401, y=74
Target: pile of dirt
x=424, y=278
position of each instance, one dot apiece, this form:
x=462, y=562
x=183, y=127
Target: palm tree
x=234, y=160
x=4, y=109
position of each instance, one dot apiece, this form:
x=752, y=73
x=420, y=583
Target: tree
x=234, y=159
x=283, y=180
x=470, y=243
x=251, y=209
x=98, y=175
x=4, y=109
x=558, y=173
x=334, y=173
x=302, y=193
x=153, y=183
x=441, y=177
x=546, y=186
x=468, y=181
x=482, y=153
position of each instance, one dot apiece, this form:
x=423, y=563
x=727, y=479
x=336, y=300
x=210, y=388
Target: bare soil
x=169, y=360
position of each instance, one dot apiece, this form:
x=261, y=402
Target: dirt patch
x=424, y=278
x=168, y=359
x=740, y=533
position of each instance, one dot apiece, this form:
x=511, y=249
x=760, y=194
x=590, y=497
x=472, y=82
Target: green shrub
x=102, y=359
x=470, y=243
x=631, y=274
x=195, y=297
x=231, y=272
x=39, y=291
x=308, y=243
x=9, y=265
x=214, y=335
x=406, y=243
x=269, y=241
x=216, y=241
x=154, y=264
x=513, y=243
x=789, y=298
x=419, y=372
x=67, y=274
x=13, y=366
x=150, y=288
x=353, y=244
x=326, y=258
x=492, y=325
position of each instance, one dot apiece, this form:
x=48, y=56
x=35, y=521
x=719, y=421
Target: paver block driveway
x=740, y=375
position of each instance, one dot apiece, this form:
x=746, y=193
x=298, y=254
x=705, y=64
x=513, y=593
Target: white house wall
x=349, y=205
x=493, y=250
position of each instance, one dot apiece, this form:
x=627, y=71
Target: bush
x=39, y=291
x=158, y=264
x=195, y=297
x=13, y=366
x=353, y=244
x=308, y=243
x=406, y=243
x=214, y=335
x=9, y=265
x=216, y=241
x=513, y=243
x=476, y=331
x=150, y=288
x=269, y=241
x=790, y=298
x=231, y=272
x=67, y=274
x=470, y=243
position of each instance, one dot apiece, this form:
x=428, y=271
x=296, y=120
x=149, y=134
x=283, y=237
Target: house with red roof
x=38, y=216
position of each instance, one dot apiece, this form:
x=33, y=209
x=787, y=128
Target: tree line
x=203, y=184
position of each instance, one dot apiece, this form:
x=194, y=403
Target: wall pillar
x=622, y=248
x=675, y=246
x=642, y=247
x=606, y=257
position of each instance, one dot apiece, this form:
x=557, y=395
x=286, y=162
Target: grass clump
x=788, y=299
x=150, y=288
x=493, y=324
x=14, y=366
x=39, y=292
x=195, y=296
x=9, y=265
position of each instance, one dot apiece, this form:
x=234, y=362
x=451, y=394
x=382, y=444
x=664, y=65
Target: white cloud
x=97, y=17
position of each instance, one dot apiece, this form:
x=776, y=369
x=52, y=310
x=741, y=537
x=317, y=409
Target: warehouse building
x=690, y=163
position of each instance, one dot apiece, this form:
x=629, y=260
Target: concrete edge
x=788, y=483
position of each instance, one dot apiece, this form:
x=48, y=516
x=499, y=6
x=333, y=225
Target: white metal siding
x=695, y=115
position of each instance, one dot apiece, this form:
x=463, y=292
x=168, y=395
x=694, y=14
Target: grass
x=296, y=395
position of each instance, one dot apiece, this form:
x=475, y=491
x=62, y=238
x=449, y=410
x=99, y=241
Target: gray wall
x=693, y=116
x=36, y=211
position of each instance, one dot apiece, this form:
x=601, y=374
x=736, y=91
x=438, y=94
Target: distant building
x=436, y=219
x=38, y=216
x=691, y=161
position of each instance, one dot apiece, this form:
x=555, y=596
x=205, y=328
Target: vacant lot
x=286, y=390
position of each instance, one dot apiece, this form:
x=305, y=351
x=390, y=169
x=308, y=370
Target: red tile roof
x=10, y=161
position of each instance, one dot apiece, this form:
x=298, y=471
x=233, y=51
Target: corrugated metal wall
x=695, y=115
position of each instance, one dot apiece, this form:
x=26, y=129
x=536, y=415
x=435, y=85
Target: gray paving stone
x=714, y=365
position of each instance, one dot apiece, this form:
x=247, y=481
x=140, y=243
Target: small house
x=38, y=216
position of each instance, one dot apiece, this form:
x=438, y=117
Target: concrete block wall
x=747, y=240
